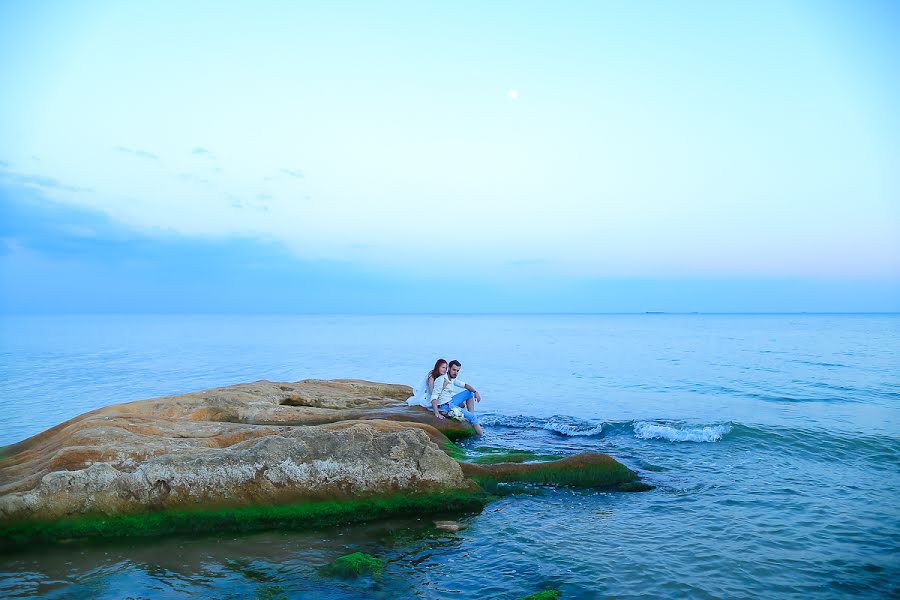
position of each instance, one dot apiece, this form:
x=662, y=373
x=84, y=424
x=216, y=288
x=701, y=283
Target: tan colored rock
x=261, y=443
x=246, y=444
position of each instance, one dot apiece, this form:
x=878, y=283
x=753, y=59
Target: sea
x=772, y=440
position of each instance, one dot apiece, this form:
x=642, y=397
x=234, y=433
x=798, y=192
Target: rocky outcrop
x=228, y=447
x=309, y=452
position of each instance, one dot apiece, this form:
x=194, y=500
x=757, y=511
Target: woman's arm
x=434, y=408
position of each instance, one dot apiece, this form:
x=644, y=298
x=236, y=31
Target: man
x=443, y=398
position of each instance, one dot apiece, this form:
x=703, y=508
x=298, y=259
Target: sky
x=449, y=157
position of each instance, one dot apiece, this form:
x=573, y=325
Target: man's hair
x=454, y=363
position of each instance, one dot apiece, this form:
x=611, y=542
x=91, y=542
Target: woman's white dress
x=421, y=396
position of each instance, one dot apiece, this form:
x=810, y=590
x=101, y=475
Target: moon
x=513, y=94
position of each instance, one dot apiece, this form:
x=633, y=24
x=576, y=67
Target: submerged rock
x=514, y=456
x=355, y=565
x=588, y=469
x=451, y=526
x=545, y=595
x=635, y=486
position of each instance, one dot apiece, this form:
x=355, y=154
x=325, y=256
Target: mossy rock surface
x=456, y=433
x=588, y=469
x=355, y=565
x=545, y=595
x=635, y=486
x=514, y=456
x=489, y=449
x=270, y=592
x=242, y=519
x=454, y=451
x=491, y=455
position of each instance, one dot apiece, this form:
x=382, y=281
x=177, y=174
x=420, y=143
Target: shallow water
x=774, y=443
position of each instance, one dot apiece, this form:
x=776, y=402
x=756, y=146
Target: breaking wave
x=650, y=430
x=558, y=424
x=647, y=430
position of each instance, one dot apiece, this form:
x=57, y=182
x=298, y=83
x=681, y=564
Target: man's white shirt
x=443, y=393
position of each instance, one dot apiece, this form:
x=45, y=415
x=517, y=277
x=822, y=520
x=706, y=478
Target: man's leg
x=464, y=397
x=473, y=419
x=462, y=400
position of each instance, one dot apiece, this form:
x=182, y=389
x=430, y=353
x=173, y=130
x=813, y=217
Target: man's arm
x=477, y=395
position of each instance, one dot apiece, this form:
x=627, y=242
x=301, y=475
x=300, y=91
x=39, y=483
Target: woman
x=422, y=393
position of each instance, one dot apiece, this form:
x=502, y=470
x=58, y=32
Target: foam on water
x=647, y=430
x=651, y=430
x=562, y=425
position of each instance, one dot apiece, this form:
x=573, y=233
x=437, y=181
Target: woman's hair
x=434, y=372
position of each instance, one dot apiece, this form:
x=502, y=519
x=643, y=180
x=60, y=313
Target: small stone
x=451, y=526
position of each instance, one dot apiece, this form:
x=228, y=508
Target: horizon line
x=454, y=314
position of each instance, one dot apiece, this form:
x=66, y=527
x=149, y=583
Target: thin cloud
x=293, y=173
x=258, y=203
x=136, y=152
x=41, y=181
x=190, y=177
x=201, y=151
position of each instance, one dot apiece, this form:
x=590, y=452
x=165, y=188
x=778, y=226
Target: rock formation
x=251, y=445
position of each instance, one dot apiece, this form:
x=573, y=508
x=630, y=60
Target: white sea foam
x=558, y=424
x=649, y=430
x=572, y=427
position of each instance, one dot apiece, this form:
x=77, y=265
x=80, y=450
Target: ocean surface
x=773, y=442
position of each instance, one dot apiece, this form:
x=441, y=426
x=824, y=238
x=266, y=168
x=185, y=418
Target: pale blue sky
x=596, y=156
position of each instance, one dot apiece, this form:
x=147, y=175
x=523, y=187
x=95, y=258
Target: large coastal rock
x=256, y=455
x=250, y=444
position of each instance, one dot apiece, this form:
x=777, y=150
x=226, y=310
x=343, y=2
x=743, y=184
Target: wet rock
x=588, y=469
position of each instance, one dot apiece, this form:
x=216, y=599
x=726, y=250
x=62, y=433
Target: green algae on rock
x=270, y=592
x=514, y=456
x=490, y=455
x=635, y=486
x=454, y=451
x=245, y=518
x=582, y=470
x=456, y=433
x=545, y=595
x=354, y=565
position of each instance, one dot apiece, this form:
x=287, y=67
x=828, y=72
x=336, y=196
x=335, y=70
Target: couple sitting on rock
x=439, y=391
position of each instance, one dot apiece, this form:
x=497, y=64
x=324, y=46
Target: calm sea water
x=773, y=440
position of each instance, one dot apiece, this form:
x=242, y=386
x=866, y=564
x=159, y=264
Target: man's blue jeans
x=459, y=401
